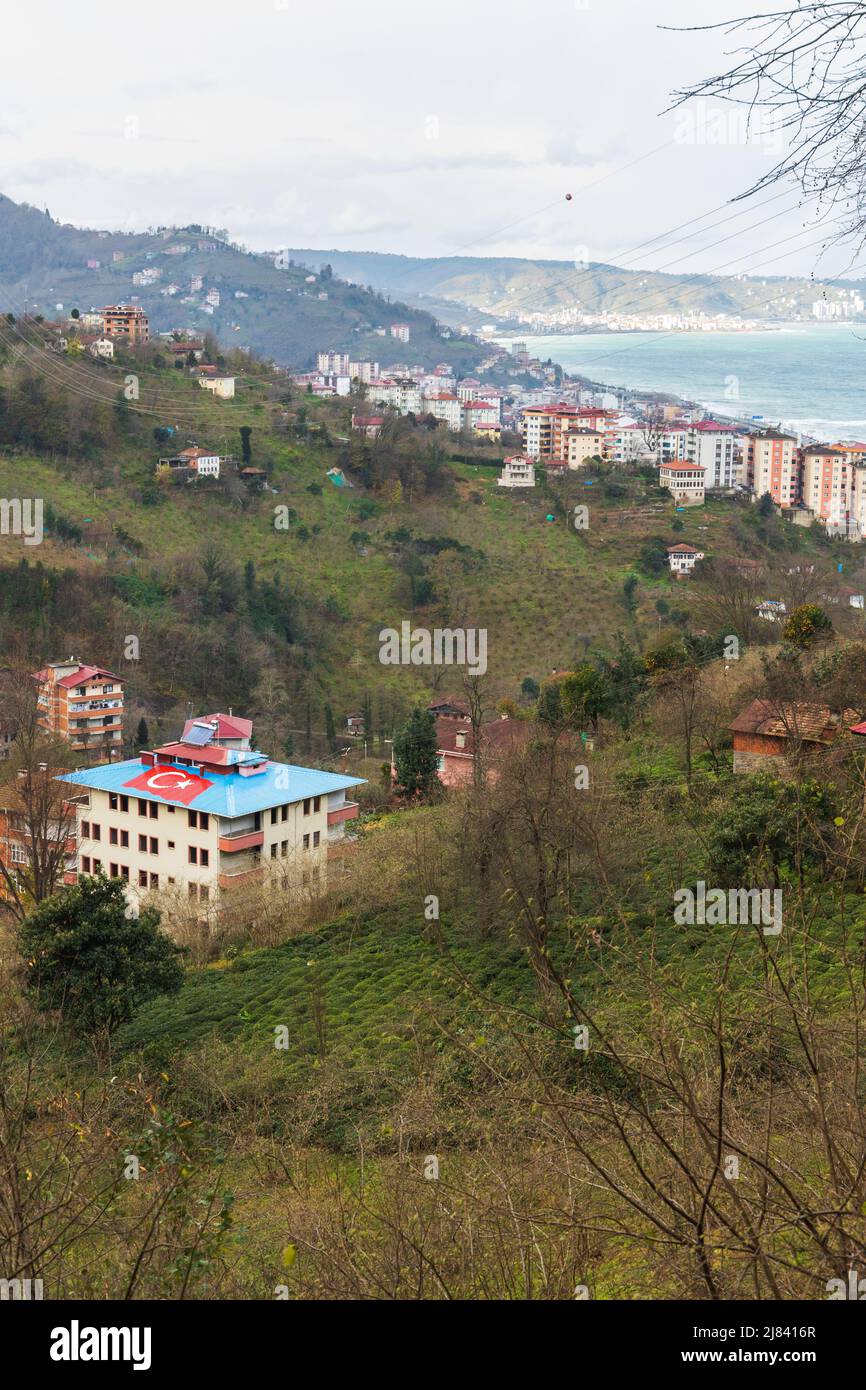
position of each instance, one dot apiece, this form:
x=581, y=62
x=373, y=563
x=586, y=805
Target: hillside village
x=398, y=702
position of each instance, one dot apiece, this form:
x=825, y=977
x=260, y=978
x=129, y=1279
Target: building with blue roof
x=196, y=819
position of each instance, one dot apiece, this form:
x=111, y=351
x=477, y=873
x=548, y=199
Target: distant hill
x=265, y=302
x=500, y=287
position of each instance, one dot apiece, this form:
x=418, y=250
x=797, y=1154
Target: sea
x=810, y=378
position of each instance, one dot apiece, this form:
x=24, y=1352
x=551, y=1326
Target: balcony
x=347, y=811
x=241, y=839
x=240, y=878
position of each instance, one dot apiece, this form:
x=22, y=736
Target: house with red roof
x=682, y=558
x=82, y=704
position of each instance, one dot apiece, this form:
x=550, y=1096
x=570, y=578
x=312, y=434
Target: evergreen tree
x=415, y=754
x=142, y=736
x=91, y=961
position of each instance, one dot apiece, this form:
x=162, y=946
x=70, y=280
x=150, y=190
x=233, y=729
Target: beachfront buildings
x=82, y=704
x=201, y=817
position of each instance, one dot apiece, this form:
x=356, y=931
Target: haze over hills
x=265, y=302
x=510, y=289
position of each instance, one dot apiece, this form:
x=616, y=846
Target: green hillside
x=266, y=303
x=502, y=286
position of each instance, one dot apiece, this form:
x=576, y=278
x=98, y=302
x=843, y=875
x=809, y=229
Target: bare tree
x=802, y=70
x=38, y=815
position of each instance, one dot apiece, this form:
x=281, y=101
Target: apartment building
x=333, y=363
x=444, y=406
x=827, y=483
x=770, y=464
x=579, y=445
x=125, y=321
x=543, y=427
x=82, y=704
x=208, y=814
x=713, y=447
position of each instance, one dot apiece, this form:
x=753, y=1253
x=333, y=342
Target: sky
x=448, y=129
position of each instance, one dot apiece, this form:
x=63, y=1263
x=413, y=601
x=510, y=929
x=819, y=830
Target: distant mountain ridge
x=265, y=302
x=501, y=287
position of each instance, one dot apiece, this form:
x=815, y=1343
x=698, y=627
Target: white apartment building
x=444, y=406
x=402, y=394
x=517, y=471
x=197, y=819
x=713, y=447
x=333, y=363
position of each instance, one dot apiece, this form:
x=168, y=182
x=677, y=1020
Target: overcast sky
x=455, y=127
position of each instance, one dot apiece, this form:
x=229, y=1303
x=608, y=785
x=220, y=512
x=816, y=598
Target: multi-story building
x=685, y=481
x=400, y=331
x=444, y=406
x=517, y=472
x=333, y=362
x=402, y=393
x=579, y=445
x=827, y=483
x=125, y=321
x=682, y=558
x=770, y=465
x=201, y=817
x=713, y=447
x=543, y=426
x=82, y=704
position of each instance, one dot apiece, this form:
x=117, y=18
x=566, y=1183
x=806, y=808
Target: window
x=273, y=815
x=284, y=813
x=154, y=845
x=170, y=810
x=142, y=806
x=284, y=849
x=307, y=807
x=193, y=854
x=306, y=842
x=317, y=804
x=192, y=819
x=113, y=800
x=203, y=893
x=203, y=820
x=142, y=878
x=124, y=839
x=112, y=869
x=112, y=838
x=274, y=850
x=204, y=857
x=154, y=810
x=85, y=830
x=154, y=880
x=85, y=863
x=316, y=838
x=124, y=872
x=142, y=844
x=171, y=844
x=97, y=865
x=95, y=832
x=124, y=803
x=192, y=890
x=171, y=880
x=19, y=853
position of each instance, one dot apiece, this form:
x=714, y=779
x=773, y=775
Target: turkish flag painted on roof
x=170, y=783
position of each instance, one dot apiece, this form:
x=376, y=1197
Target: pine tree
x=415, y=754
x=142, y=736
